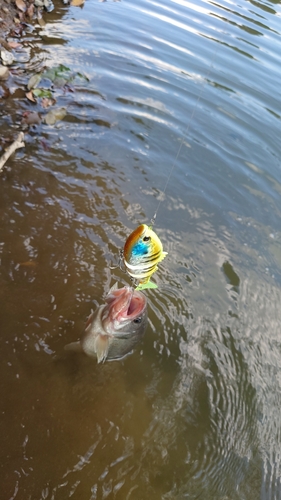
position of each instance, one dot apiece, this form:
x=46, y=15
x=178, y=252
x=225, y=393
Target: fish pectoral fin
x=74, y=346
x=101, y=346
x=114, y=287
x=89, y=321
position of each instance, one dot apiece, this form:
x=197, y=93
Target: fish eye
x=137, y=320
x=146, y=238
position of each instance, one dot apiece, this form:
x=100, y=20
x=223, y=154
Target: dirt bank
x=8, y=16
x=15, y=15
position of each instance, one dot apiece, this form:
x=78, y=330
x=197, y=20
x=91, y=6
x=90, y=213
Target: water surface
x=189, y=90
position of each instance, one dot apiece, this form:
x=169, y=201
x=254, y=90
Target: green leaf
x=59, y=81
x=55, y=115
x=34, y=81
x=50, y=74
x=56, y=72
x=62, y=68
x=62, y=75
x=84, y=77
x=42, y=93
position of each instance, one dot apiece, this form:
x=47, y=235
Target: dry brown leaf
x=41, y=22
x=30, y=96
x=14, y=45
x=77, y=3
x=30, y=10
x=21, y=5
x=46, y=102
x=32, y=118
x=3, y=42
x=4, y=72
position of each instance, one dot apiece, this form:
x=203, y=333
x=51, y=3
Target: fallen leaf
x=32, y=118
x=14, y=45
x=84, y=77
x=62, y=67
x=4, y=73
x=55, y=115
x=30, y=96
x=3, y=42
x=34, y=81
x=45, y=145
x=58, y=72
x=41, y=21
x=77, y=3
x=59, y=81
x=30, y=10
x=68, y=88
x=46, y=102
x=42, y=93
x=21, y=5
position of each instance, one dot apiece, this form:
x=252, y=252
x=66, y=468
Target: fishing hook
x=120, y=261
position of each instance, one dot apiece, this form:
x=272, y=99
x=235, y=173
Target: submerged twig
x=18, y=143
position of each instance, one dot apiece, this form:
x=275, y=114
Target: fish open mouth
x=137, y=305
x=125, y=303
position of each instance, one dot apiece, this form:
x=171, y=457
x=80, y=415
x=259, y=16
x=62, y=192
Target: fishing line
x=143, y=250
x=185, y=134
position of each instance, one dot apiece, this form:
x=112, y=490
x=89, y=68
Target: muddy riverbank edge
x=15, y=17
x=8, y=18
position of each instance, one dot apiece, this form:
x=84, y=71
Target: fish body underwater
x=143, y=250
x=116, y=327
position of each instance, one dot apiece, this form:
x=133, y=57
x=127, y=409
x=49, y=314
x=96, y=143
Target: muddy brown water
x=194, y=412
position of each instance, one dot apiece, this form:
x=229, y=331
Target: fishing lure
x=142, y=252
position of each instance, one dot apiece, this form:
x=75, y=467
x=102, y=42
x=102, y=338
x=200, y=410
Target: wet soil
x=15, y=17
x=8, y=16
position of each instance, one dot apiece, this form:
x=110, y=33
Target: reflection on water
x=194, y=412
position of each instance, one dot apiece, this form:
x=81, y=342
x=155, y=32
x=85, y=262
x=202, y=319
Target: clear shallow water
x=194, y=412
